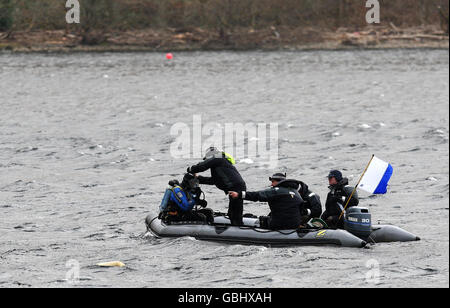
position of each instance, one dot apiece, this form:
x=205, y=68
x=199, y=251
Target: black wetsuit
x=284, y=201
x=311, y=203
x=336, y=200
x=226, y=177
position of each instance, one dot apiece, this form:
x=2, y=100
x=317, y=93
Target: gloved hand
x=188, y=170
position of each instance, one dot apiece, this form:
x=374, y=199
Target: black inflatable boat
x=250, y=233
x=359, y=232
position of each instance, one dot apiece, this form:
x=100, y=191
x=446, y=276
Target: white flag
x=377, y=176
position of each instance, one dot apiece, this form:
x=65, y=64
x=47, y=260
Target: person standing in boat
x=312, y=207
x=224, y=176
x=284, y=201
x=338, y=196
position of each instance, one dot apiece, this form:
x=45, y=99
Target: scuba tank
x=167, y=193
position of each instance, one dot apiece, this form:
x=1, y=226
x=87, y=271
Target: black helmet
x=212, y=152
x=278, y=177
x=335, y=174
x=190, y=181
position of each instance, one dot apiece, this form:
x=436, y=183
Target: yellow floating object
x=111, y=264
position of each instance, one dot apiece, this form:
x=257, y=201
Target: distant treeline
x=215, y=14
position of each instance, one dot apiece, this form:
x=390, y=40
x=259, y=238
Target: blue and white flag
x=377, y=176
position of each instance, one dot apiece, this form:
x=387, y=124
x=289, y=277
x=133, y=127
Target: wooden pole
x=354, y=189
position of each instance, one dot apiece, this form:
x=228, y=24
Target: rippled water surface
x=85, y=156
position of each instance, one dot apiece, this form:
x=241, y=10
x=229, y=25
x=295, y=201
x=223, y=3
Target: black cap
x=278, y=177
x=335, y=174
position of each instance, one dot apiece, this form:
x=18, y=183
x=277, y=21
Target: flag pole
x=354, y=189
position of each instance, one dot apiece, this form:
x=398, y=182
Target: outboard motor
x=358, y=221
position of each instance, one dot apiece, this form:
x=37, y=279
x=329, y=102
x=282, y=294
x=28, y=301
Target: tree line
x=108, y=15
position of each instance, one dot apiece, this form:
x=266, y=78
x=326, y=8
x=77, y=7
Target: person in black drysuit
x=284, y=202
x=338, y=196
x=224, y=176
x=312, y=207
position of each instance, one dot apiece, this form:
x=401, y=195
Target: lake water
x=85, y=156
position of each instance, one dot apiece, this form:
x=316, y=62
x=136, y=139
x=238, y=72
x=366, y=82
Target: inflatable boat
x=251, y=234
x=358, y=233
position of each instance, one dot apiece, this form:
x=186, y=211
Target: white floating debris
x=151, y=159
x=159, y=125
x=431, y=178
x=365, y=126
x=246, y=161
x=111, y=264
x=336, y=134
x=105, y=76
x=382, y=124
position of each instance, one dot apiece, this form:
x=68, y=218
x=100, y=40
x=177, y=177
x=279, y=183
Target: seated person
x=312, y=207
x=284, y=202
x=337, y=198
x=183, y=201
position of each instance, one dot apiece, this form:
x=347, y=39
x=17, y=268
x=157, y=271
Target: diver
x=312, y=207
x=337, y=198
x=224, y=176
x=184, y=198
x=284, y=201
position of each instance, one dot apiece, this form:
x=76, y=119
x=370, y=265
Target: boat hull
x=222, y=231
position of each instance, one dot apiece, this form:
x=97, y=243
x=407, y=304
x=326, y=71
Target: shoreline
x=140, y=50
x=242, y=39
